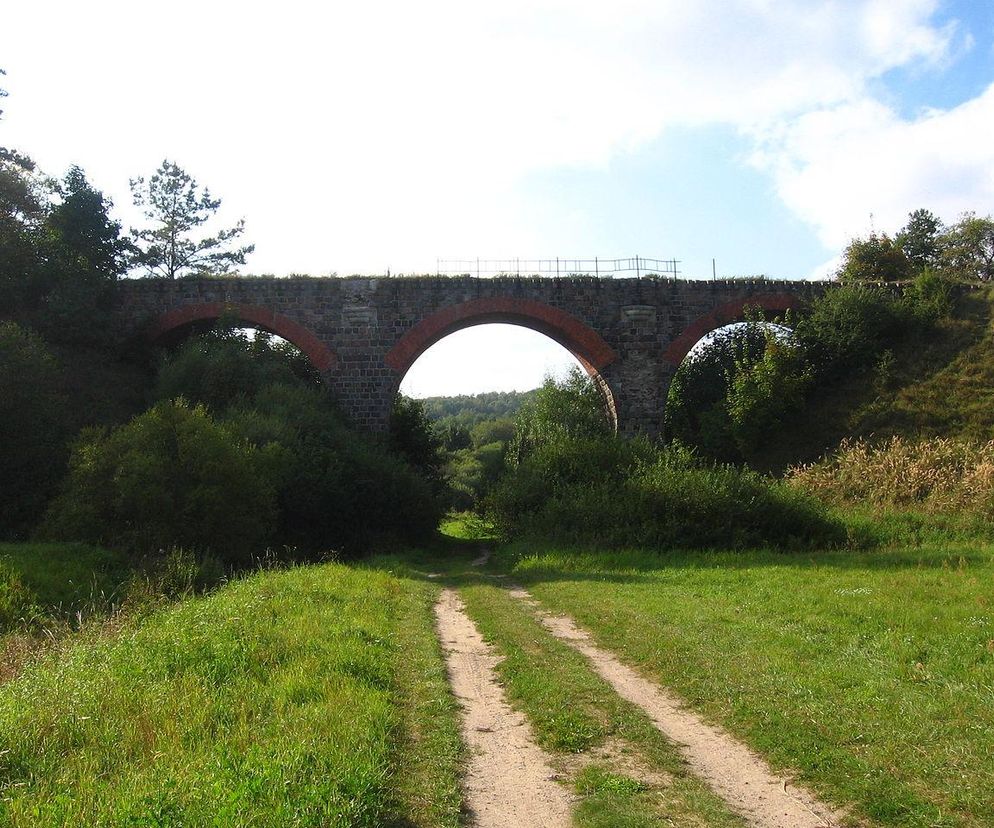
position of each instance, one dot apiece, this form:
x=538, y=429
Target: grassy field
x=313, y=696
x=641, y=779
x=872, y=673
x=317, y=695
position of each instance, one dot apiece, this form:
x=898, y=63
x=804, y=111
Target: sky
x=748, y=136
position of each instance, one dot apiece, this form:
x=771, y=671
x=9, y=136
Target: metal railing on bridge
x=637, y=266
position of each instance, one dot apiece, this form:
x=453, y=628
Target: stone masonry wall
x=364, y=333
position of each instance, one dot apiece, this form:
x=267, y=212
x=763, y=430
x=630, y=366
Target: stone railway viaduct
x=363, y=334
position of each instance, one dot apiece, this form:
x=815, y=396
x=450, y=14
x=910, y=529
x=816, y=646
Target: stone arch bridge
x=364, y=333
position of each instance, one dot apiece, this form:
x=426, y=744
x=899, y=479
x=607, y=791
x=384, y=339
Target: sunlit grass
x=467, y=526
x=572, y=711
x=872, y=674
x=286, y=698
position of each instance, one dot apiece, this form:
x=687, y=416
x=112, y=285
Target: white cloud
x=357, y=136
x=836, y=167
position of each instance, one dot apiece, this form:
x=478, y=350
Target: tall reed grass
x=938, y=475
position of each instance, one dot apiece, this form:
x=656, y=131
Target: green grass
x=42, y=582
x=65, y=575
x=611, y=800
x=427, y=750
x=466, y=526
x=572, y=710
x=300, y=697
x=869, y=673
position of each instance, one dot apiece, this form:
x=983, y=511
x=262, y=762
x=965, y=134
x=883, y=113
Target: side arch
x=723, y=315
x=582, y=341
x=319, y=354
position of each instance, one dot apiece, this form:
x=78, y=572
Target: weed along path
x=509, y=780
x=734, y=772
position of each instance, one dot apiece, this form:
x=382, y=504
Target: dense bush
x=225, y=366
x=848, y=326
x=610, y=492
x=170, y=477
x=570, y=408
x=413, y=438
x=597, y=488
x=336, y=490
x=764, y=391
x=696, y=410
x=875, y=259
x=34, y=428
x=731, y=398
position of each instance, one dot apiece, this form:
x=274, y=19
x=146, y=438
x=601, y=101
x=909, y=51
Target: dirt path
x=509, y=781
x=734, y=772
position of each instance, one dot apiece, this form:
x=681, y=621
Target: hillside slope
x=939, y=383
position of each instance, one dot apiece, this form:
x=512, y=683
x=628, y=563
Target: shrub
x=764, y=391
x=848, y=327
x=412, y=437
x=611, y=492
x=696, y=410
x=170, y=477
x=875, y=259
x=34, y=428
x=336, y=490
x=225, y=367
x=572, y=407
x=928, y=298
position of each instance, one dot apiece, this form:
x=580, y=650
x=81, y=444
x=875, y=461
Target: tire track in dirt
x=509, y=781
x=742, y=778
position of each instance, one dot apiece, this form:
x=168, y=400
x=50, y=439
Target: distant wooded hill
x=475, y=408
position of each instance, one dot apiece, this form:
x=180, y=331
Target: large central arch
x=584, y=343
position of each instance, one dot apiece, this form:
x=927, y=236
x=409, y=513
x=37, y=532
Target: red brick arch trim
x=577, y=337
x=320, y=356
x=725, y=315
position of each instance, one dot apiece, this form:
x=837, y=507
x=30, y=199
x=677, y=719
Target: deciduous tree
x=874, y=259
x=968, y=247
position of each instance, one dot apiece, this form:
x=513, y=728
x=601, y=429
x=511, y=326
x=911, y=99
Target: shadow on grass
x=455, y=563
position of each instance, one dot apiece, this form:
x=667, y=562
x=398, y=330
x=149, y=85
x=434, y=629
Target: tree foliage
x=34, y=428
x=847, y=327
x=874, y=259
x=83, y=255
x=764, y=391
x=225, y=366
x=177, y=208
x=968, y=247
x=571, y=407
x=412, y=437
x=964, y=251
x=920, y=239
x=328, y=480
x=170, y=477
x=697, y=402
